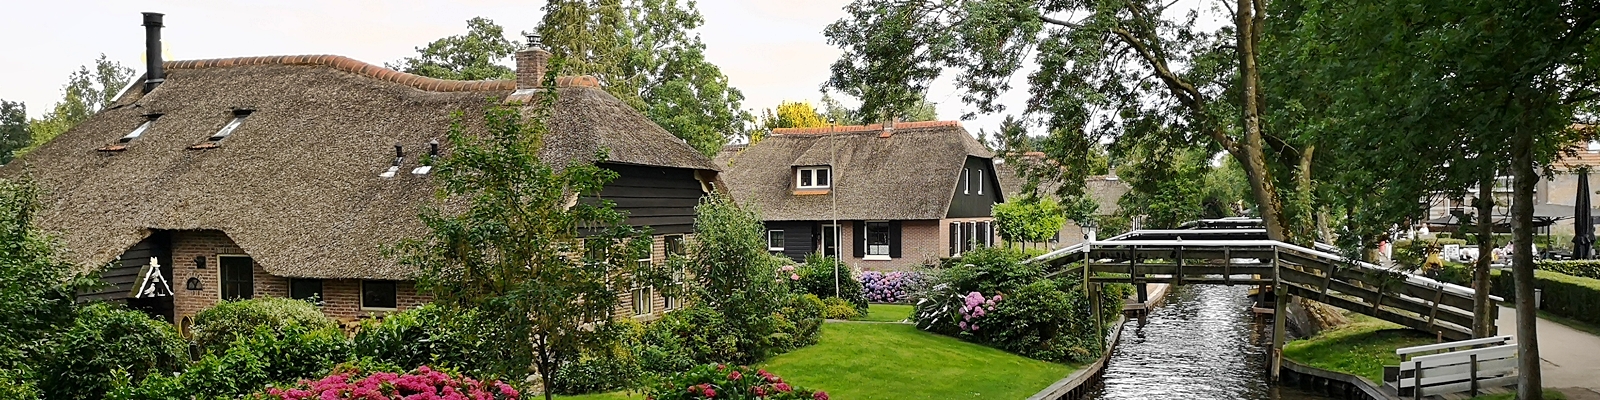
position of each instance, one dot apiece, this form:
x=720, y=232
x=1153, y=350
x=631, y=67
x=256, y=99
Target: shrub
x=734, y=277
x=604, y=368
x=805, y=312
x=1042, y=322
x=249, y=364
x=733, y=383
x=84, y=360
x=36, y=291
x=700, y=332
x=215, y=328
x=890, y=287
x=1579, y=268
x=426, y=335
x=837, y=308
x=817, y=277
x=988, y=270
x=1565, y=295
x=422, y=383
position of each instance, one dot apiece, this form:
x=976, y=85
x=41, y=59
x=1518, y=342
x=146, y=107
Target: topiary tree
x=216, y=328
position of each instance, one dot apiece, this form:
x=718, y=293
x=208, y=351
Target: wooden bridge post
x=1280, y=301
x=1136, y=278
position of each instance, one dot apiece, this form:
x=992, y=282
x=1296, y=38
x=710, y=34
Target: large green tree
x=1487, y=85
x=648, y=54
x=475, y=55
x=14, y=132
x=86, y=92
x=1125, y=69
x=547, y=269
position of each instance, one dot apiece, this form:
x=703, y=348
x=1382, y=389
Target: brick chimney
x=531, y=62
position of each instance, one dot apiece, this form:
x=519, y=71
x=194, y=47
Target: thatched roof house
x=902, y=195
x=284, y=159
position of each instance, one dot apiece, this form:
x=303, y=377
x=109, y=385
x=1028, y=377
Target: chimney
x=154, y=75
x=531, y=63
x=888, y=125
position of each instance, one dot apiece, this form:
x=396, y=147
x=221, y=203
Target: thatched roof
x=910, y=174
x=1104, y=189
x=297, y=185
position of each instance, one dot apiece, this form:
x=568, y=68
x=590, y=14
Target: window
x=237, y=282
x=813, y=178
x=139, y=132
x=877, y=239
x=676, y=246
x=238, y=119
x=641, y=294
x=775, y=240
x=966, y=181
x=980, y=181
x=378, y=294
x=306, y=289
x=675, y=302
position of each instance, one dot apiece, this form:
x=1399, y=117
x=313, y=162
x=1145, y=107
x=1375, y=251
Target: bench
x=1468, y=365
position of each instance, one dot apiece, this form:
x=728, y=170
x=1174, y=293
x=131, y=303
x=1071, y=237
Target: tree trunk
x=546, y=368
x=1482, y=315
x=1529, y=382
x=1251, y=148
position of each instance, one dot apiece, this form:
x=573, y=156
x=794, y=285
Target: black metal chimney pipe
x=154, y=75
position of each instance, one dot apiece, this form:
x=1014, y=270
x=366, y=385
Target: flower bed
x=735, y=383
x=422, y=383
x=890, y=287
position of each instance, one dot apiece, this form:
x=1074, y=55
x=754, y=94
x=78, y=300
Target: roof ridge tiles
x=359, y=67
x=863, y=128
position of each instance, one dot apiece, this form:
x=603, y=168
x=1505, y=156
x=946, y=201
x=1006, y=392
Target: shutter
x=955, y=238
x=894, y=239
x=858, y=243
x=983, y=234
x=966, y=237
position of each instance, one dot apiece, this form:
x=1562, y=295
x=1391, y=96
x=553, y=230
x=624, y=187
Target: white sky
x=772, y=50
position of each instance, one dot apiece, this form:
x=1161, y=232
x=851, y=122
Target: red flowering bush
x=729, y=382
x=424, y=383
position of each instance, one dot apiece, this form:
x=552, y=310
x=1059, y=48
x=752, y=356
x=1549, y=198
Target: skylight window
x=139, y=132
x=238, y=119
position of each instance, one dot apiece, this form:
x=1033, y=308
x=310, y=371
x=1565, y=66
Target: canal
x=1203, y=344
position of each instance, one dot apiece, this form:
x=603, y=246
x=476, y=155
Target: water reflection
x=1201, y=345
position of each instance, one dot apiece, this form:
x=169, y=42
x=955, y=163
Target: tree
x=86, y=92
x=14, y=132
x=648, y=55
x=790, y=114
x=1165, y=186
x=36, y=290
x=1029, y=219
x=1494, y=84
x=1122, y=70
x=837, y=113
x=545, y=268
x=734, y=274
x=473, y=56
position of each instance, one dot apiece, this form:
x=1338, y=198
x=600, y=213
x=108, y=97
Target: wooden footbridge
x=1220, y=252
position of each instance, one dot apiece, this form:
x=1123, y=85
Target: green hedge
x=1565, y=295
x=1578, y=268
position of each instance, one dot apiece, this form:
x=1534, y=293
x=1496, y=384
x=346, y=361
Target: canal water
x=1203, y=344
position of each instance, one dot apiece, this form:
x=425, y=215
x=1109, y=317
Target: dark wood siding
x=659, y=197
x=799, y=238
x=968, y=203
x=121, y=276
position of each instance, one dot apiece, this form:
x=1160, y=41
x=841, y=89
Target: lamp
x=200, y=262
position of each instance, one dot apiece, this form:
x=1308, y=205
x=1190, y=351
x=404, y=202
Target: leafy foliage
x=1579, y=268
x=84, y=360
x=427, y=335
x=837, y=308
x=790, y=114
x=892, y=287
x=826, y=278
x=14, y=131
x=519, y=250
x=647, y=53
x=86, y=92
x=734, y=274
x=1028, y=220
x=472, y=56
x=215, y=328
x=36, y=290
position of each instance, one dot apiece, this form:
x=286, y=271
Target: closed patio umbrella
x=1583, y=234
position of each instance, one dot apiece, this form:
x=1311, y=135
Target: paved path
x=1571, y=358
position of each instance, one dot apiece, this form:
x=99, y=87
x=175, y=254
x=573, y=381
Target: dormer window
x=238, y=119
x=139, y=132
x=813, y=178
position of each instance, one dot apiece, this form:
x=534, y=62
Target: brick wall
x=658, y=303
x=920, y=244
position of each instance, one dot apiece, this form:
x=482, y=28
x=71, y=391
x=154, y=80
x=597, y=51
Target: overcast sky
x=772, y=50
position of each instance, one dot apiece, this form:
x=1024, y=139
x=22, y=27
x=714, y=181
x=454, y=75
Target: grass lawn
x=887, y=312
x=1548, y=395
x=897, y=361
x=1361, y=348
x=1570, y=323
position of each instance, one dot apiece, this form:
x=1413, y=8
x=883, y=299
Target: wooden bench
x=1463, y=366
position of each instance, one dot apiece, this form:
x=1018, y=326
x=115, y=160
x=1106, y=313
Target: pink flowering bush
x=890, y=287
x=975, y=307
x=729, y=382
x=423, y=383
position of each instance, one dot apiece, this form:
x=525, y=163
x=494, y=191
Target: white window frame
x=980, y=181
x=812, y=172
x=966, y=181
x=670, y=303
x=781, y=243
x=866, y=232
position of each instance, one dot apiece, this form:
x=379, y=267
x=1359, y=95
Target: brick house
x=880, y=197
x=289, y=175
